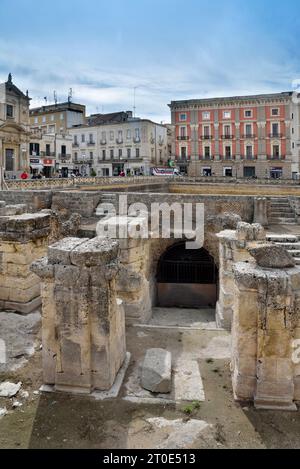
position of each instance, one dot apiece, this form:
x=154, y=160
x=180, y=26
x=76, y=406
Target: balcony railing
x=227, y=137
x=119, y=141
x=47, y=154
x=248, y=136
x=90, y=143
x=276, y=157
x=183, y=137
x=276, y=135
x=249, y=157
x=103, y=141
x=83, y=161
x=206, y=157
x=206, y=137
x=75, y=144
x=64, y=156
x=136, y=140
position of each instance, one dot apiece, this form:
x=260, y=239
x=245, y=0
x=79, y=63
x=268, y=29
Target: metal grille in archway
x=182, y=266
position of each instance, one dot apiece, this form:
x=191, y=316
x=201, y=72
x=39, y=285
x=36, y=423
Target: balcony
x=206, y=137
x=119, y=141
x=47, y=154
x=103, y=141
x=83, y=161
x=276, y=157
x=183, y=138
x=64, y=156
x=227, y=137
x=136, y=140
x=249, y=136
x=91, y=143
x=249, y=157
x=75, y=144
x=206, y=158
x=275, y=135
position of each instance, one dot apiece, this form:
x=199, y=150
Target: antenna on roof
x=55, y=97
x=134, y=106
x=70, y=95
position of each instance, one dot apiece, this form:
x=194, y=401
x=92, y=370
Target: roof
x=223, y=100
x=10, y=86
x=66, y=106
x=111, y=118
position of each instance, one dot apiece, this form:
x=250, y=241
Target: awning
x=36, y=166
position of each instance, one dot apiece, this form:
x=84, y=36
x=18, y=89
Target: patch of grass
x=190, y=408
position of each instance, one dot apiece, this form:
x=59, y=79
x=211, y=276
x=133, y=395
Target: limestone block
x=274, y=343
x=272, y=256
x=128, y=256
x=59, y=253
x=94, y=251
x=156, y=371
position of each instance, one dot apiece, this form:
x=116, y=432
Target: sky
x=164, y=49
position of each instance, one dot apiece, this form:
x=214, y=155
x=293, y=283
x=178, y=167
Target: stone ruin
x=90, y=287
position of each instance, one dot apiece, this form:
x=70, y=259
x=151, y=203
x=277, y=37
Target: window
x=48, y=149
x=227, y=130
x=9, y=159
x=228, y=151
x=182, y=132
x=206, y=115
x=51, y=129
x=91, y=155
x=182, y=117
x=248, y=129
x=120, y=135
x=103, y=136
x=75, y=156
x=112, y=153
x=275, y=112
x=249, y=151
x=105, y=172
x=111, y=135
x=36, y=120
x=183, y=152
x=137, y=134
x=227, y=172
x=207, y=152
x=83, y=138
x=120, y=152
x=276, y=151
x=91, y=138
x=206, y=131
x=52, y=117
x=128, y=152
x=206, y=172
x=75, y=139
x=227, y=114
x=128, y=135
x=9, y=111
x=248, y=113
x=137, y=152
x=62, y=117
x=275, y=130
x=44, y=119
x=103, y=154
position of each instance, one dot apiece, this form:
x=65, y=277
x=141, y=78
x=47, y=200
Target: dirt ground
x=65, y=421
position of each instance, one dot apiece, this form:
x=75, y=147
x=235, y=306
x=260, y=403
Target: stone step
x=286, y=214
x=282, y=221
x=294, y=252
x=283, y=238
x=290, y=246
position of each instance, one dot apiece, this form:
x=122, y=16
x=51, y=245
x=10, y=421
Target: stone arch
x=186, y=278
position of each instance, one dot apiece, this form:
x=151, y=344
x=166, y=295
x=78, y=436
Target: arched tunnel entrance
x=187, y=278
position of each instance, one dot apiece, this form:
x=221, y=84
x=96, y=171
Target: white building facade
x=131, y=146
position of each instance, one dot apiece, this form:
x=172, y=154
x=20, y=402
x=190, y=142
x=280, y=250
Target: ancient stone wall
x=23, y=239
x=82, y=319
x=232, y=249
x=67, y=202
x=35, y=200
x=266, y=323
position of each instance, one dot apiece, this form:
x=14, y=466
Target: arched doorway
x=186, y=278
